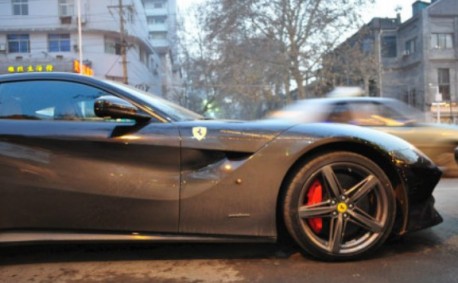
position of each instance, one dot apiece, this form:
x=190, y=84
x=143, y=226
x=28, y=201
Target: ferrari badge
x=199, y=133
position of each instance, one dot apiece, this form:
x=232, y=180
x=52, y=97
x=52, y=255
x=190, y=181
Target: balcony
x=442, y=53
x=158, y=27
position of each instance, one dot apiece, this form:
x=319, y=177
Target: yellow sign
x=199, y=133
x=30, y=68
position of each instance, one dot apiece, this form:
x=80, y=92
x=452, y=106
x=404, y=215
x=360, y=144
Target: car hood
x=251, y=136
x=242, y=136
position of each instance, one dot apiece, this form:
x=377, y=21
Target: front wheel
x=339, y=206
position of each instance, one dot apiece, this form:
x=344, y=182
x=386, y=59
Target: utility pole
x=80, y=39
x=123, y=44
x=380, y=62
x=122, y=37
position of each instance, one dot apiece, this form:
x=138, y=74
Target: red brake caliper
x=314, y=196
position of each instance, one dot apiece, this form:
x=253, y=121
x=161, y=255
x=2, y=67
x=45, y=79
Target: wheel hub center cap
x=342, y=207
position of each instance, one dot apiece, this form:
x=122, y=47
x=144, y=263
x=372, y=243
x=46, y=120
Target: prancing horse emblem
x=199, y=133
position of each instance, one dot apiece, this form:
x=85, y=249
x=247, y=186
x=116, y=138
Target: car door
x=61, y=167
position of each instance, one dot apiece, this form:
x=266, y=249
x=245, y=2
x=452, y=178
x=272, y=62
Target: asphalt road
x=426, y=256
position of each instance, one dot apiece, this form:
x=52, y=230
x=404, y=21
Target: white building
x=42, y=35
x=161, y=18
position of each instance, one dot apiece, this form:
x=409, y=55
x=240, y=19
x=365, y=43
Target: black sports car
x=89, y=160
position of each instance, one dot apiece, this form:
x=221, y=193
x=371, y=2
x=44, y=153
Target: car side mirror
x=117, y=108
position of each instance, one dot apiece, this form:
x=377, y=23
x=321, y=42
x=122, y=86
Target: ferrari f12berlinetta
x=88, y=160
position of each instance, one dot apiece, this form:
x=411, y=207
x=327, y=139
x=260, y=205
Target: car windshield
x=303, y=111
x=173, y=112
x=403, y=113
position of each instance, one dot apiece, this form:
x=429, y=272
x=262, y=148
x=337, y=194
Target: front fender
x=413, y=174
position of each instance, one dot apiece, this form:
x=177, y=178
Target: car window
x=170, y=110
x=365, y=114
x=303, y=111
x=48, y=100
x=340, y=113
x=376, y=114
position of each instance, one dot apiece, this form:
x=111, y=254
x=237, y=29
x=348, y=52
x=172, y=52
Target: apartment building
x=428, y=57
x=161, y=16
x=43, y=36
x=415, y=61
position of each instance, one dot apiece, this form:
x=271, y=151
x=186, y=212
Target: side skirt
x=17, y=237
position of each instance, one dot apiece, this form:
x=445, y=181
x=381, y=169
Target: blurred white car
x=438, y=141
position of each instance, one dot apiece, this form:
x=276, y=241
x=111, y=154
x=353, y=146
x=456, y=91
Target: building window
x=143, y=56
x=413, y=98
x=410, y=46
x=389, y=46
x=410, y=97
x=59, y=42
x=112, y=46
x=159, y=4
x=18, y=43
x=441, y=40
x=154, y=20
x=20, y=7
x=66, y=8
x=367, y=46
x=158, y=35
x=155, y=4
x=444, y=83
x=130, y=17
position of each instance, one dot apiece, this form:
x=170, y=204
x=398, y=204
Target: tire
x=339, y=206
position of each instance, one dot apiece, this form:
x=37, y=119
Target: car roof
x=318, y=105
x=47, y=75
x=347, y=99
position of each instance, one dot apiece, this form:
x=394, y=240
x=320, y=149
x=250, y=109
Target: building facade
x=428, y=57
x=416, y=60
x=362, y=60
x=43, y=35
x=161, y=18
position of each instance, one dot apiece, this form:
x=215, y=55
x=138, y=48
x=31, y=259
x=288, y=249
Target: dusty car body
x=89, y=160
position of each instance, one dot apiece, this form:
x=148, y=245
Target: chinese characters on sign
x=31, y=68
x=71, y=66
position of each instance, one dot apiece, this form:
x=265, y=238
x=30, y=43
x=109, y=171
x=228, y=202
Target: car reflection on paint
x=438, y=141
x=88, y=160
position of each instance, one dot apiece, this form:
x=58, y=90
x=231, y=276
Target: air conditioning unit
x=66, y=19
x=2, y=48
x=406, y=53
